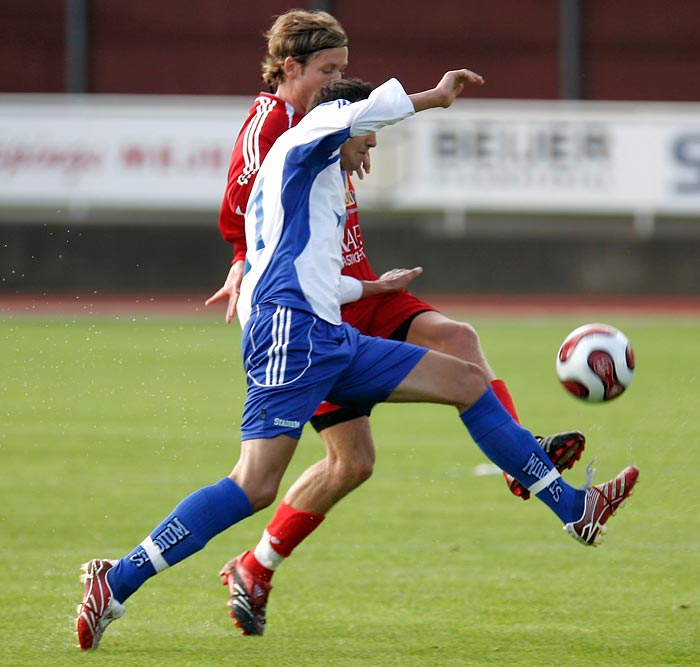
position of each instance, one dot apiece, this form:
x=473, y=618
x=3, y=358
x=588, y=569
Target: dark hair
x=352, y=90
x=300, y=34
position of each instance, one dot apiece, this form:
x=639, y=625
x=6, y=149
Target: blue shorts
x=293, y=361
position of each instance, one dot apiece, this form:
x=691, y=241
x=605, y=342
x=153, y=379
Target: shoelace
x=590, y=474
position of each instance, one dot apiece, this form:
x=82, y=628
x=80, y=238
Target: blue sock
x=515, y=450
x=196, y=519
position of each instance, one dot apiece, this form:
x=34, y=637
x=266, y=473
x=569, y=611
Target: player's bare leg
x=458, y=339
x=348, y=463
x=260, y=468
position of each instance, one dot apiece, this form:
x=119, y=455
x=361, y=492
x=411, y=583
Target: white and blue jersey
x=296, y=349
x=296, y=211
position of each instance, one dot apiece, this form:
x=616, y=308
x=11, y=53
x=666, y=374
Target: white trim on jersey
x=250, y=146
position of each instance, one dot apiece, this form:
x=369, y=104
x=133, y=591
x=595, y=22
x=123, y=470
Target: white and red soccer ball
x=595, y=363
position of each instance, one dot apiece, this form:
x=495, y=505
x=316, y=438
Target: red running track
x=192, y=305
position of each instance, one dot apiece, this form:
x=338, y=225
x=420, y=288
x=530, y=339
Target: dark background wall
x=630, y=49
x=113, y=258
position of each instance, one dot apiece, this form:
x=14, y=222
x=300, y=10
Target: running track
x=192, y=305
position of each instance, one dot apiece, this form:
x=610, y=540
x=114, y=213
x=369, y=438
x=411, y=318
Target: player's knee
x=350, y=459
x=477, y=377
x=460, y=339
x=465, y=384
x=264, y=497
x=360, y=471
x=348, y=472
x=261, y=493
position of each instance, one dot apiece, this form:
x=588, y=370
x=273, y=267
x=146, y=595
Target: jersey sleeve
x=387, y=104
x=330, y=124
x=350, y=289
x=266, y=121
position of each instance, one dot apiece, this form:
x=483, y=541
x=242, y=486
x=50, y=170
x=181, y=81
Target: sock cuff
x=286, y=511
x=485, y=415
x=236, y=493
x=227, y=503
x=289, y=527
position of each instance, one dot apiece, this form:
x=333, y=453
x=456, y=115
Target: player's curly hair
x=352, y=90
x=299, y=33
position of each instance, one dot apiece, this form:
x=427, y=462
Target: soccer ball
x=595, y=363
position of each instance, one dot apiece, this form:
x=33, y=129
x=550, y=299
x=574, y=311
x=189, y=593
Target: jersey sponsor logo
x=353, y=245
x=174, y=532
x=350, y=197
x=538, y=469
x=354, y=257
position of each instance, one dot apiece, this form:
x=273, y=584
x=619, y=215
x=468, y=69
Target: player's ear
x=292, y=68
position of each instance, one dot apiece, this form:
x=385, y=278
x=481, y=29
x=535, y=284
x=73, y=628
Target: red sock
x=250, y=562
x=503, y=395
x=288, y=529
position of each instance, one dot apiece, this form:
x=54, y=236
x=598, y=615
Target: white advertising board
x=542, y=157
x=117, y=152
x=170, y=153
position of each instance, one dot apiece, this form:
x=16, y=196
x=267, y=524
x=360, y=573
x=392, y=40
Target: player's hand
x=448, y=88
x=364, y=168
x=394, y=280
x=452, y=84
x=230, y=290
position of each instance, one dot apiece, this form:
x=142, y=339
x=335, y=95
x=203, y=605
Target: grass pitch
x=107, y=423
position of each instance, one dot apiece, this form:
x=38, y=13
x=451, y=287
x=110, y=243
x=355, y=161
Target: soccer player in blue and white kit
x=298, y=352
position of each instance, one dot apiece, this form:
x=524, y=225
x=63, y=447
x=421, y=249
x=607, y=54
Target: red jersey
x=267, y=119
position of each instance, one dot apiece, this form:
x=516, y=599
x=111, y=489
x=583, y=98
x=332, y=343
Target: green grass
x=107, y=423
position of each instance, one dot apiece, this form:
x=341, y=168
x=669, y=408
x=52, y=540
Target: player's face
x=322, y=67
x=354, y=151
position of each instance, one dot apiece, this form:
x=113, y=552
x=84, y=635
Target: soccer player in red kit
x=305, y=50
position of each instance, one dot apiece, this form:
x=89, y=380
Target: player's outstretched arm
x=229, y=290
x=446, y=91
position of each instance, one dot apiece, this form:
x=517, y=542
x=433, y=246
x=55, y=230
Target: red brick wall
x=632, y=49
x=512, y=43
x=641, y=50
x=211, y=47
x=32, y=46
